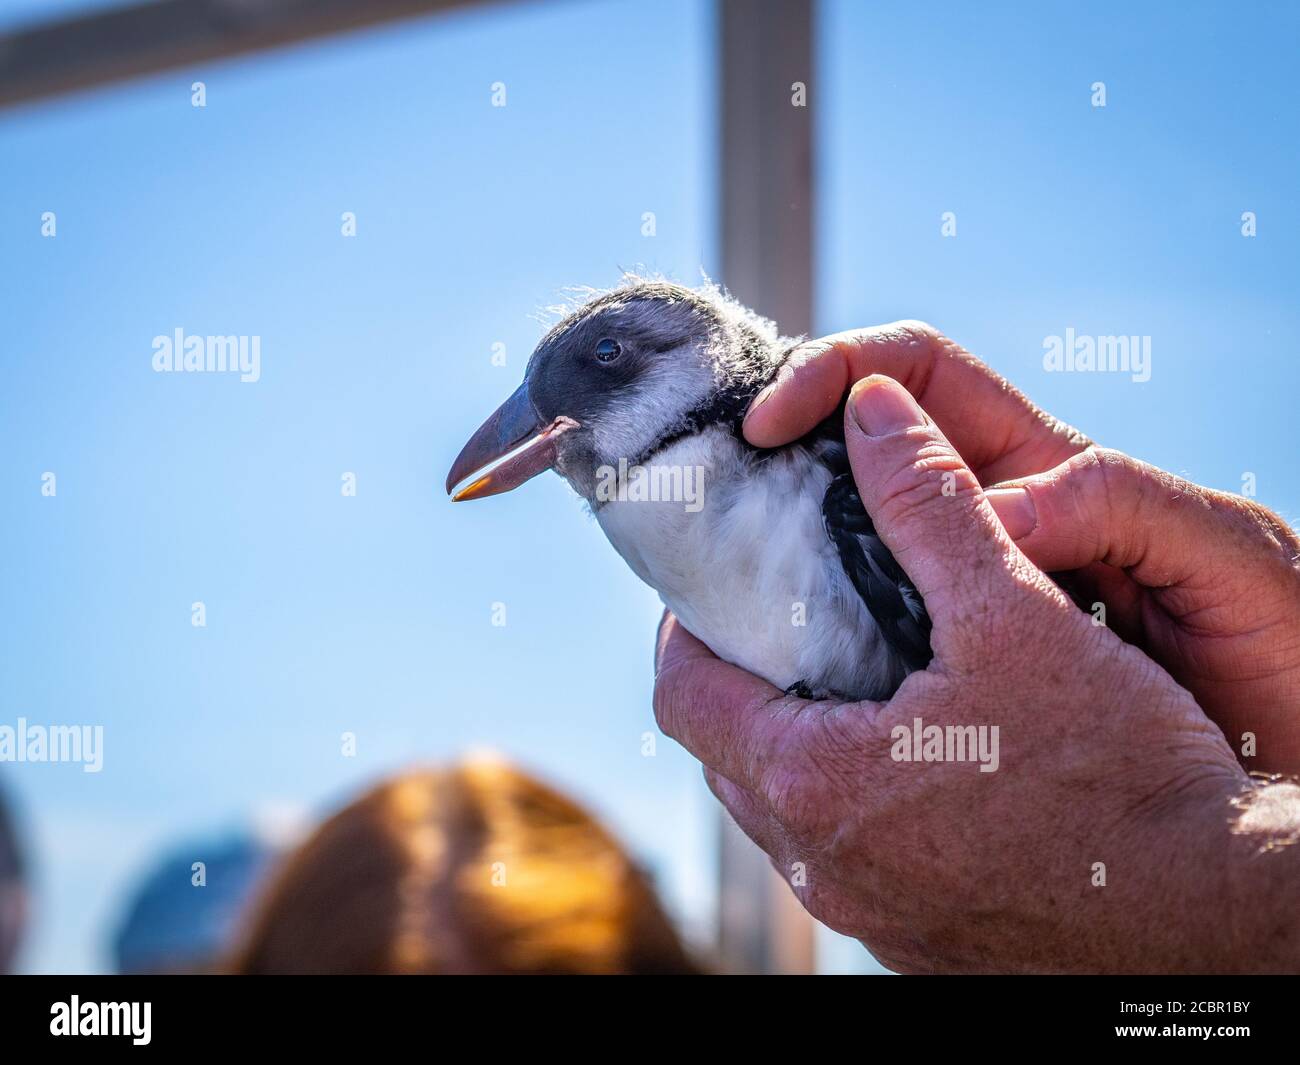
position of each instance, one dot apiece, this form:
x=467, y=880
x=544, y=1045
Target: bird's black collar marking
x=726, y=408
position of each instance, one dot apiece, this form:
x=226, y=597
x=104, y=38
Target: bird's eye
x=608, y=350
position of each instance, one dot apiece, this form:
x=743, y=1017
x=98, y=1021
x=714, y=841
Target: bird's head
x=615, y=378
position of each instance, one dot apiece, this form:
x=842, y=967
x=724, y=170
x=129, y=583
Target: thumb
x=1103, y=506
x=927, y=506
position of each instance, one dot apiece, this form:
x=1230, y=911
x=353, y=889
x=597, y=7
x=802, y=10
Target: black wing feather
x=887, y=591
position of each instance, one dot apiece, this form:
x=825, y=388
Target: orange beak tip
x=472, y=490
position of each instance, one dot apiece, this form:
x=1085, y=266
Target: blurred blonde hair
x=478, y=868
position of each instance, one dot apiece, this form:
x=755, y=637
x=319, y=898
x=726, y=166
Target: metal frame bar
x=766, y=178
x=51, y=59
x=765, y=206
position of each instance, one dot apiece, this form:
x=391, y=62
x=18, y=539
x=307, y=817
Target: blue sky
x=372, y=614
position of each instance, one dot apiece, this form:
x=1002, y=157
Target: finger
x=1103, y=506
x=1000, y=433
x=747, y=810
x=927, y=506
x=729, y=719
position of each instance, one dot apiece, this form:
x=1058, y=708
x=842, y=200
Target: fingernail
x=882, y=406
x=761, y=398
x=1015, y=509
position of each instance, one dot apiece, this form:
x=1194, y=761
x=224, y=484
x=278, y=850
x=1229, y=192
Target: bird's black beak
x=516, y=439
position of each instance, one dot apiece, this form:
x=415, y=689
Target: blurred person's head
x=474, y=869
x=13, y=888
x=181, y=915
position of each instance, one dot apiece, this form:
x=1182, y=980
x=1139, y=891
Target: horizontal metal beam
x=49, y=59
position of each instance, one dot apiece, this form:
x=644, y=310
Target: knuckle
x=924, y=342
x=1258, y=528
x=1122, y=483
x=915, y=330
x=672, y=697
x=659, y=701
x=1107, y=469
x=1279, y=533
x=815, y=350
x=786, y=792
x=927, y=478
x=1118, y=467
x=1108, y=457
x=1140, y=479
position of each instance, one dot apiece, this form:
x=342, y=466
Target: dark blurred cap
x=180, y=918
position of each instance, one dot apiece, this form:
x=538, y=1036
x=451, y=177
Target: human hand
x=1207, y=583
x=1102, y=758
x=997, y=431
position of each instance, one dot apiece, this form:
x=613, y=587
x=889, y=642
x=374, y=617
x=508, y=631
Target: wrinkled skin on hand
x=1207, y=583
x=1119, y=831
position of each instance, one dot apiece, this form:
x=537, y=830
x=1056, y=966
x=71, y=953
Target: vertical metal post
x=765, y=203
x=766, y=195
